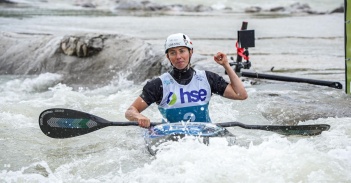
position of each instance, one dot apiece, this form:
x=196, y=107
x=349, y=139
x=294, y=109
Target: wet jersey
x=153, y=89
x=185, y=102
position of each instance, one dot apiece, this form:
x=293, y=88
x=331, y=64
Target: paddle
x=65, y=123
x=306, y=130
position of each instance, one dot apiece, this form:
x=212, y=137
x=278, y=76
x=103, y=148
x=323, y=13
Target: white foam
x=276, y=159
x=26, y=174
x=37, y=83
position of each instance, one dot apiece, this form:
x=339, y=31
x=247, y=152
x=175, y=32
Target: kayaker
x=183, y=94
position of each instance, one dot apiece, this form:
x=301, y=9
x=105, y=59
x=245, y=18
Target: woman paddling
x=183, y=94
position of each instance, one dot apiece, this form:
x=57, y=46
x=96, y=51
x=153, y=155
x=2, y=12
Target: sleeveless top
x=185, y=102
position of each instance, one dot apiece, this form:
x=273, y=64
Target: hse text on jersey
x=188, y=96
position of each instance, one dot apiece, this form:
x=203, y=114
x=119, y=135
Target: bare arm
x=133, y=113
x=235, y=90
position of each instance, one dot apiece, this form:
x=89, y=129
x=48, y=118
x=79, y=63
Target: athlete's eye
x=172, y=53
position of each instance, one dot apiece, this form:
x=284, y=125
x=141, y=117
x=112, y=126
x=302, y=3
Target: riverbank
x=281, y=47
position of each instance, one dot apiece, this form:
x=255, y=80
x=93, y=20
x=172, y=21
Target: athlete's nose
x=178, y=55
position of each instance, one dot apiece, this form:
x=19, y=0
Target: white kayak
x=174, y=131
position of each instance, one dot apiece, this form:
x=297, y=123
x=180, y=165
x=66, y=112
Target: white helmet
x=179, y=39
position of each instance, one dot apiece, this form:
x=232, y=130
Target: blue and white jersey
x=185, y=102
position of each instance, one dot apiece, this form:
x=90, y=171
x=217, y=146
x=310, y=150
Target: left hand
x=221, y=58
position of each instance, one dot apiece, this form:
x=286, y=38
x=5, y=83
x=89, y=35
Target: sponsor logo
x=168, y=82
x=199, y=77
x=173, y=44
x=187, y=96
x=192, y=96
x=171, y=99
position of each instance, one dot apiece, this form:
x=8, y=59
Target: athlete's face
x=179, y=56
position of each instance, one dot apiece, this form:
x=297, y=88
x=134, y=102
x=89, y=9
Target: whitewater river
x=308, y=46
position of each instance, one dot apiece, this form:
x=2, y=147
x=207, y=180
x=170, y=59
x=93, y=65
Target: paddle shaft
x=131, y=123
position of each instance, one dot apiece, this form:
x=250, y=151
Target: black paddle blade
x=65, y=123
x=306, y=130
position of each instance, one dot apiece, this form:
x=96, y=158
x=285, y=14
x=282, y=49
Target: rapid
x=307, y=46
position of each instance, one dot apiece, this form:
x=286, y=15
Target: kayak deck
x=175, y=131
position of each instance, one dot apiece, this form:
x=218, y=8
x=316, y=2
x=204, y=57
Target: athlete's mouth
x=180, y=62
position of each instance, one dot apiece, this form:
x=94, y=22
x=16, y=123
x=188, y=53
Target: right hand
x=133, y=113
x=143, y=122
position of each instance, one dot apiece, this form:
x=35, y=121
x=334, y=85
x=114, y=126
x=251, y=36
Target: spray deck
x=246, y=39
